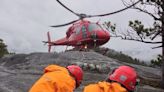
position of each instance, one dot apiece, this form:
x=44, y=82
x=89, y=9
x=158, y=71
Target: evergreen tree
x=157, y=62
x=3, y=48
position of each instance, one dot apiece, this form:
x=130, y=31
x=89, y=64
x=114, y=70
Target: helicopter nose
x=104, y=35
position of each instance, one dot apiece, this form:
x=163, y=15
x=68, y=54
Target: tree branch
x=156, y=35
x=157, y=47
x=155, y=18
x=139, y=40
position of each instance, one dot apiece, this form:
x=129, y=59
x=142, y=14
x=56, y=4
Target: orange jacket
x=55, y=79
x=104, y=87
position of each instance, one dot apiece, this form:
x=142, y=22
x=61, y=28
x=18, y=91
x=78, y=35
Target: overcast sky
x=24, y=24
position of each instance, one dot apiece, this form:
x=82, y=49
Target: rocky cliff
x=18, y=72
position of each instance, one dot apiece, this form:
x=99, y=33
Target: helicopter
x=83, y=34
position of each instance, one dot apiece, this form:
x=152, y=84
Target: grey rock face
x=19, y=72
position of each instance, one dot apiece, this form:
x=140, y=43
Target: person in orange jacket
x=59, y=79
x=122, y=79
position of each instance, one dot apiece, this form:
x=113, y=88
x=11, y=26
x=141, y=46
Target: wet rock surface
x=20, y=71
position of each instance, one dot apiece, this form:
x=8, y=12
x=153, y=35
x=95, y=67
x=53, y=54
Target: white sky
x=24, y=24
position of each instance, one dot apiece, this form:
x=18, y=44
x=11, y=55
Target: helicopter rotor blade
x=65, y=24
x=101, y=15
x=49, y=48
x=82, y=16
x=67, y=8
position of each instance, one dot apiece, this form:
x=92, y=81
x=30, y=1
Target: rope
x=82, y=56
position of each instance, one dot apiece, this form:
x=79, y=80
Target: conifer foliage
x=3, y=48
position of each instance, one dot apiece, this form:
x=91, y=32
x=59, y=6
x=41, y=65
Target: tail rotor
x=48, y=42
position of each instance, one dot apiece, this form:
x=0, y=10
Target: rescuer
x=122, y=79
x=59, y=79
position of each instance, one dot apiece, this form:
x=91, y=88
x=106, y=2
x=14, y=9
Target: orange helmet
x=125, y=75
x=77, y=72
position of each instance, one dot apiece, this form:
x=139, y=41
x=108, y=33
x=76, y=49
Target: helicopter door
x=84, y=31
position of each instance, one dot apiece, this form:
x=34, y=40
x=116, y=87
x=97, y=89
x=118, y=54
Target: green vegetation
x=157, y=62
x=119, y=56
x=125, y=58
x=3, y=48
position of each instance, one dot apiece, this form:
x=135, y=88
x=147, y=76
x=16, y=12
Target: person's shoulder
x=52, y=68
x=91, y=87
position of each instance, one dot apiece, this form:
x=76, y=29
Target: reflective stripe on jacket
x=105, y=87
x=55, y=79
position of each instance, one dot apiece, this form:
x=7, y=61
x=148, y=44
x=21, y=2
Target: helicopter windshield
x=93, y=26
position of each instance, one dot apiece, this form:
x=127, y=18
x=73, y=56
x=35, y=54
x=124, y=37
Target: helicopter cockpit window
x=83, y=28
x=84, y=31
x=77, y=29
x=93, y=26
